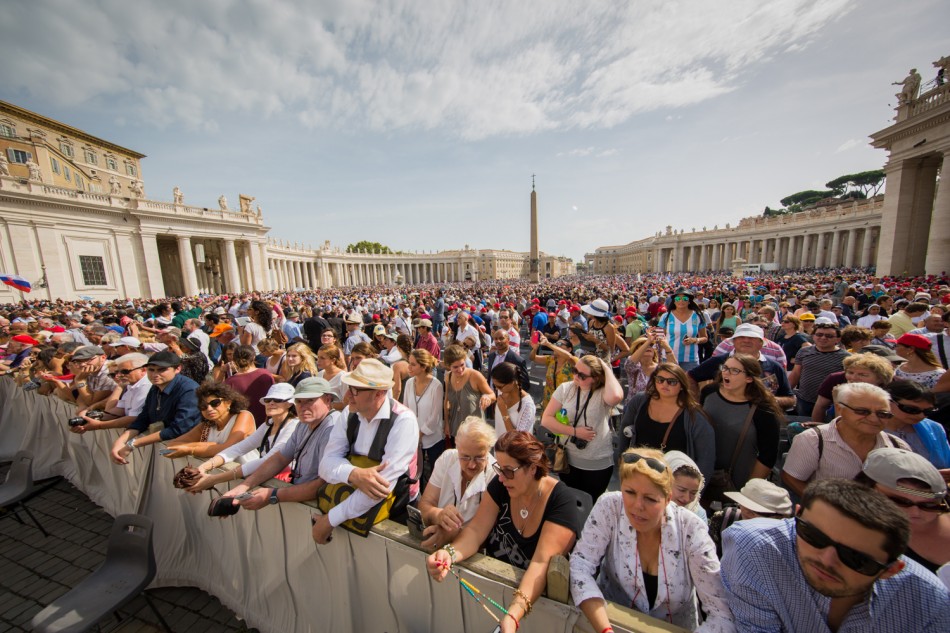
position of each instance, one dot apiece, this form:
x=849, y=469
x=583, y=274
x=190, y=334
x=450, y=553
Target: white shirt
x=400, y=449
x=428, y=410
x=447, y=477
x=132, y=400
x=867, y=320
x=687, y=561
x=468, y=331
x=249, y=445
x=522, y=420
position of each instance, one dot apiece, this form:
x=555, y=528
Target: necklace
x=524, y=512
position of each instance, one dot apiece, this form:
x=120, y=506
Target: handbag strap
x=666, y=435
x=745, y=431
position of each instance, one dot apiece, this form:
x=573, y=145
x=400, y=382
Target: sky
x=419, y=123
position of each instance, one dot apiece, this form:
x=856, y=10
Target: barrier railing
x=264, y=565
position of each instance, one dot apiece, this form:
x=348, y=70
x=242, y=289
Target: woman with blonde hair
x=865, y=367
x=424, y=395
x=647, y=352
x=273, y=356
x=639, y=549
x=299, y=363
x=331, y=367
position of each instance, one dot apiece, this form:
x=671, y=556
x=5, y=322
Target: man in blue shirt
x=171, y=401
x=837, y=566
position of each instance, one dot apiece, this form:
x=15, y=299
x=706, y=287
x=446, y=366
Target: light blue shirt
x=767, y=590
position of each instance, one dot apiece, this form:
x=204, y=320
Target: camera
x=579, y=443
x=79, y=421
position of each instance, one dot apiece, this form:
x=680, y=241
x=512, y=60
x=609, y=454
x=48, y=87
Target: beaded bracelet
x=448, y=547
x=527, y=603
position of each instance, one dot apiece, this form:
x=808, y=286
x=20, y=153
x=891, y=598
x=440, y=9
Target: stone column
x=231, y=275
x=906, y=218
x=849, y=249
x=188, y=273
x=820, y=251
x=938, y=246
x=835, y=259
x=806, y=246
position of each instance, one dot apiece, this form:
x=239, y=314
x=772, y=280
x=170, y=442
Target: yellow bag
x=331, y=495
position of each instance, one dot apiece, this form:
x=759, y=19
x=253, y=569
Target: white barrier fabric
x=262, y=565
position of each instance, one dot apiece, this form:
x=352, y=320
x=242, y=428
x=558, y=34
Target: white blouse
x=245, y=452
x=428, y=410
x=688, y=565
x=522, y=420
x=447, y=477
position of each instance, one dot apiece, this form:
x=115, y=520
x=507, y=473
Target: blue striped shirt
x=767, y=590
x=676, y=331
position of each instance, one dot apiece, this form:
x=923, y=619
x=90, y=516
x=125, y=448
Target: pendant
x=523, y=513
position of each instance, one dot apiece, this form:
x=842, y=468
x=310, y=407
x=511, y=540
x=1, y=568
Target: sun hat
x=887, y=466
x=597, y=308
x=763, y=497
x=426, y=323
x=748, y=330
x=128, y=341
x=918, y=341
x=353, y=317
x=370, y=374
x=314, y=388
x=280, y=391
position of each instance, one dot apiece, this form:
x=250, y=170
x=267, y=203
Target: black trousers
x=593, y=482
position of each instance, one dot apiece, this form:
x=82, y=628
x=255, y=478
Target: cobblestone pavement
x=35, y=570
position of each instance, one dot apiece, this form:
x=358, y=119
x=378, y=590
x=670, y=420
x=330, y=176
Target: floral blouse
x=688, y=566
x=553, y=377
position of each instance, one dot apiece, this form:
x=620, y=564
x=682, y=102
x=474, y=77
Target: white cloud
x=471, y=69
x=850, y=144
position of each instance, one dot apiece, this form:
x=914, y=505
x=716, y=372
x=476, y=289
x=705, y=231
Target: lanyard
x=295, y=472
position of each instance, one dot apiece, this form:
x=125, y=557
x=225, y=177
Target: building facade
x=75, y=221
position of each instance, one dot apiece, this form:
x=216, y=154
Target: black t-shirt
x=650, y=433
x=504, y=542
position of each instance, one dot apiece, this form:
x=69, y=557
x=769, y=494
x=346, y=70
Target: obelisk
x=535, y=268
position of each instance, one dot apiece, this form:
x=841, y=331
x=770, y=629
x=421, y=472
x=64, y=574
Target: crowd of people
x=766, y=453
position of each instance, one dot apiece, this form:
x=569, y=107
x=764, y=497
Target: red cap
x=24, y=338
x=497, y=305
x=56, y=329
x=536, y=301
x=918, y=341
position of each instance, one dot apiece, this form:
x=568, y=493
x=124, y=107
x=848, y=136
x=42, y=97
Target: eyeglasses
x=361, y=389
x=660, y=380
x=655, y=464
x=506, y=471
x=908, y=408
x=926, y=506
x=735, y=371
x=851, y=558
x=478, y=459
x=820, y=335
x=273, y=400
x=214, y=404
x=883, y=415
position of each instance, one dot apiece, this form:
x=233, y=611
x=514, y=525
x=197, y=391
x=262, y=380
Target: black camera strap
x=578, y=411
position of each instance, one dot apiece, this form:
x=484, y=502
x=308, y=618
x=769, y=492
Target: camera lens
x=76, y=422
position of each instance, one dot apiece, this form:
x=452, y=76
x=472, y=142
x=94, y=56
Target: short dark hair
x=828, y=326
x=910, y=390
x=868, y=507
x=525, y=449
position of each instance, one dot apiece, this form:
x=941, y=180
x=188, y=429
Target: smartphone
x=242, y=321
x=415, y=523
x=535, y=336
x=166, y=451
x=244, y=495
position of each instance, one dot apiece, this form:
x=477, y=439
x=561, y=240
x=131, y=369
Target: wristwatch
x=273, y=500
x=131, y=444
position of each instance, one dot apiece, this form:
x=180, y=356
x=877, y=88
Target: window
x=95, y=187
x=18, y=156
x=91, y=157
x=130, y=169
x=7, y=130
x=80, y=183
x=66, y=149
x=66, y=173
x=54, y=165
x=93, y=270
x=111, y=164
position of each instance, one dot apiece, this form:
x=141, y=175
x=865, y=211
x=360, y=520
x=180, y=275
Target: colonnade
x=289, y=272
x=854, y=247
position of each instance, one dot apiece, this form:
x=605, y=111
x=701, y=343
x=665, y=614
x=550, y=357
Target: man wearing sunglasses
x=837, y=566
x=128, y=399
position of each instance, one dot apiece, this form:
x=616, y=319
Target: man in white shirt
x=372, y=412
x=126, y=402
x=505, y=323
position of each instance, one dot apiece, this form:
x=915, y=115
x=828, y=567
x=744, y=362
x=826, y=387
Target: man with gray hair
x=126, y=401
x=838, y=449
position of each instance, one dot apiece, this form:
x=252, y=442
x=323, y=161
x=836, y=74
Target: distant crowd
x=765, y=453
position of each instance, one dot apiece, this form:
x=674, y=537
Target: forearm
x=785, y=402
x=302, y=492
x=596, y=611
x=268, y=470
x=115, y=423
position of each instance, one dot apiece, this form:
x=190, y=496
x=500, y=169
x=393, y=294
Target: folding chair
x=128, y=569
x=18, y=488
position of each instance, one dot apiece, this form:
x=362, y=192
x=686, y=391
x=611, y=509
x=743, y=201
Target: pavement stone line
x=35, y=570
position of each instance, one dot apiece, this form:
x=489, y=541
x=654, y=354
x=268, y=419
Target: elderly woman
x=459, y=478
x=225, y=422
x=922, y=365
x=586, y=403
x=911, y=482
x=253, y=450
x=526, y=518
x=864, y=367
x=640, y=549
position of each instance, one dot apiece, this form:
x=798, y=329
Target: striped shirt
x=816, y=366
x=677, y=330
x=837, y=458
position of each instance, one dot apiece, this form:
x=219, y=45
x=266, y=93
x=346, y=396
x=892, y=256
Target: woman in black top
x=791, y=338
x=527, y=518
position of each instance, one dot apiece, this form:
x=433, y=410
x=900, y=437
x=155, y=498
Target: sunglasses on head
x=926, y=506
x=655, y=464
x=851, y=558
x=214, y=404
x=911, y=409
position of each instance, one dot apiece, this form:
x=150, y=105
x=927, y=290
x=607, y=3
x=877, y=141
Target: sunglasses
x=926, y=506
x=851, y=558
x=680, y=298
x=506, y=471
x=883, y=415
x=214, y=404
x=126, y=372
x=660, y=380
x=581, y=375
x=273, y=400
x=655, y=464
x=911, y=409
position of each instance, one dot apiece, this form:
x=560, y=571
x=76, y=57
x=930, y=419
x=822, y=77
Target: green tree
x=805, y=198
x=868, y=183
x=368, y=247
